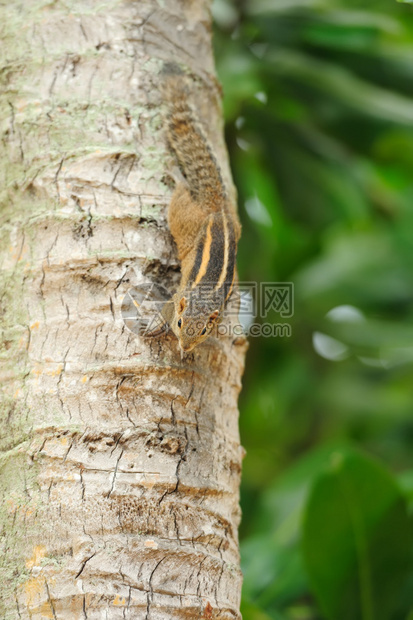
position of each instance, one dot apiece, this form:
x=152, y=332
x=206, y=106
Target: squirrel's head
x=192, y=323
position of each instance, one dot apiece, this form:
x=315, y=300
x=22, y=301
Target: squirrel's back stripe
x=198, y=258
x=206, y=255
x=227, y=281
x=216, y=261
x=223, y=275
x=215, y=255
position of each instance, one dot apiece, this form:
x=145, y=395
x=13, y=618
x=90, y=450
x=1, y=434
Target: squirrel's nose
x=189, y=347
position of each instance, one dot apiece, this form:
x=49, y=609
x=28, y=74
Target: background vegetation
x=319, y=112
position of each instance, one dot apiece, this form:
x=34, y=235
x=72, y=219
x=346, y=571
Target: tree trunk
x=120, y=461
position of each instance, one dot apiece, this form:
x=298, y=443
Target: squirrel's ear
x=182, y=305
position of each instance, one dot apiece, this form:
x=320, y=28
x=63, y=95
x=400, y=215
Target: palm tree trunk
x=120, y=462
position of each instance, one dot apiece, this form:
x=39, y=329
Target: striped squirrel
x=202, y=220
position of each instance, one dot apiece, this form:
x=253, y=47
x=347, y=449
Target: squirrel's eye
x=203, y=331
x=180, y=323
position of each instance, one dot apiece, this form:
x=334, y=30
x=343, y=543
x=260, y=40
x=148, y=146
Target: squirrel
x=202, y=220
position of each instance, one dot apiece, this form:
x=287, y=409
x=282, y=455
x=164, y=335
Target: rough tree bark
x=120, y=462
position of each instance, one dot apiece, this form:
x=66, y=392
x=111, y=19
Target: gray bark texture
x=120, y=461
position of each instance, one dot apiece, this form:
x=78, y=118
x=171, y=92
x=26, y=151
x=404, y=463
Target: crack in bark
x=56, y=178
x=150, y=593
x=50, y=600
x=18, y=608
x=92, y=77
x=82, y=29
x=114, y=474
x=83, y=484
x=84, y=564
x=178, y=466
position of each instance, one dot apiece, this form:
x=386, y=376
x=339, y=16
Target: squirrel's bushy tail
x=188, y=141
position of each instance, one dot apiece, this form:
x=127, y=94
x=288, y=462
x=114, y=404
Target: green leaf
x=405, y=480
x=268, y=6
x=343, y=86
x=271, y=561
x=252, y=612
x=356, y=539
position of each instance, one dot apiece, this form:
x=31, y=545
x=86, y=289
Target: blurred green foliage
x=319, y=113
